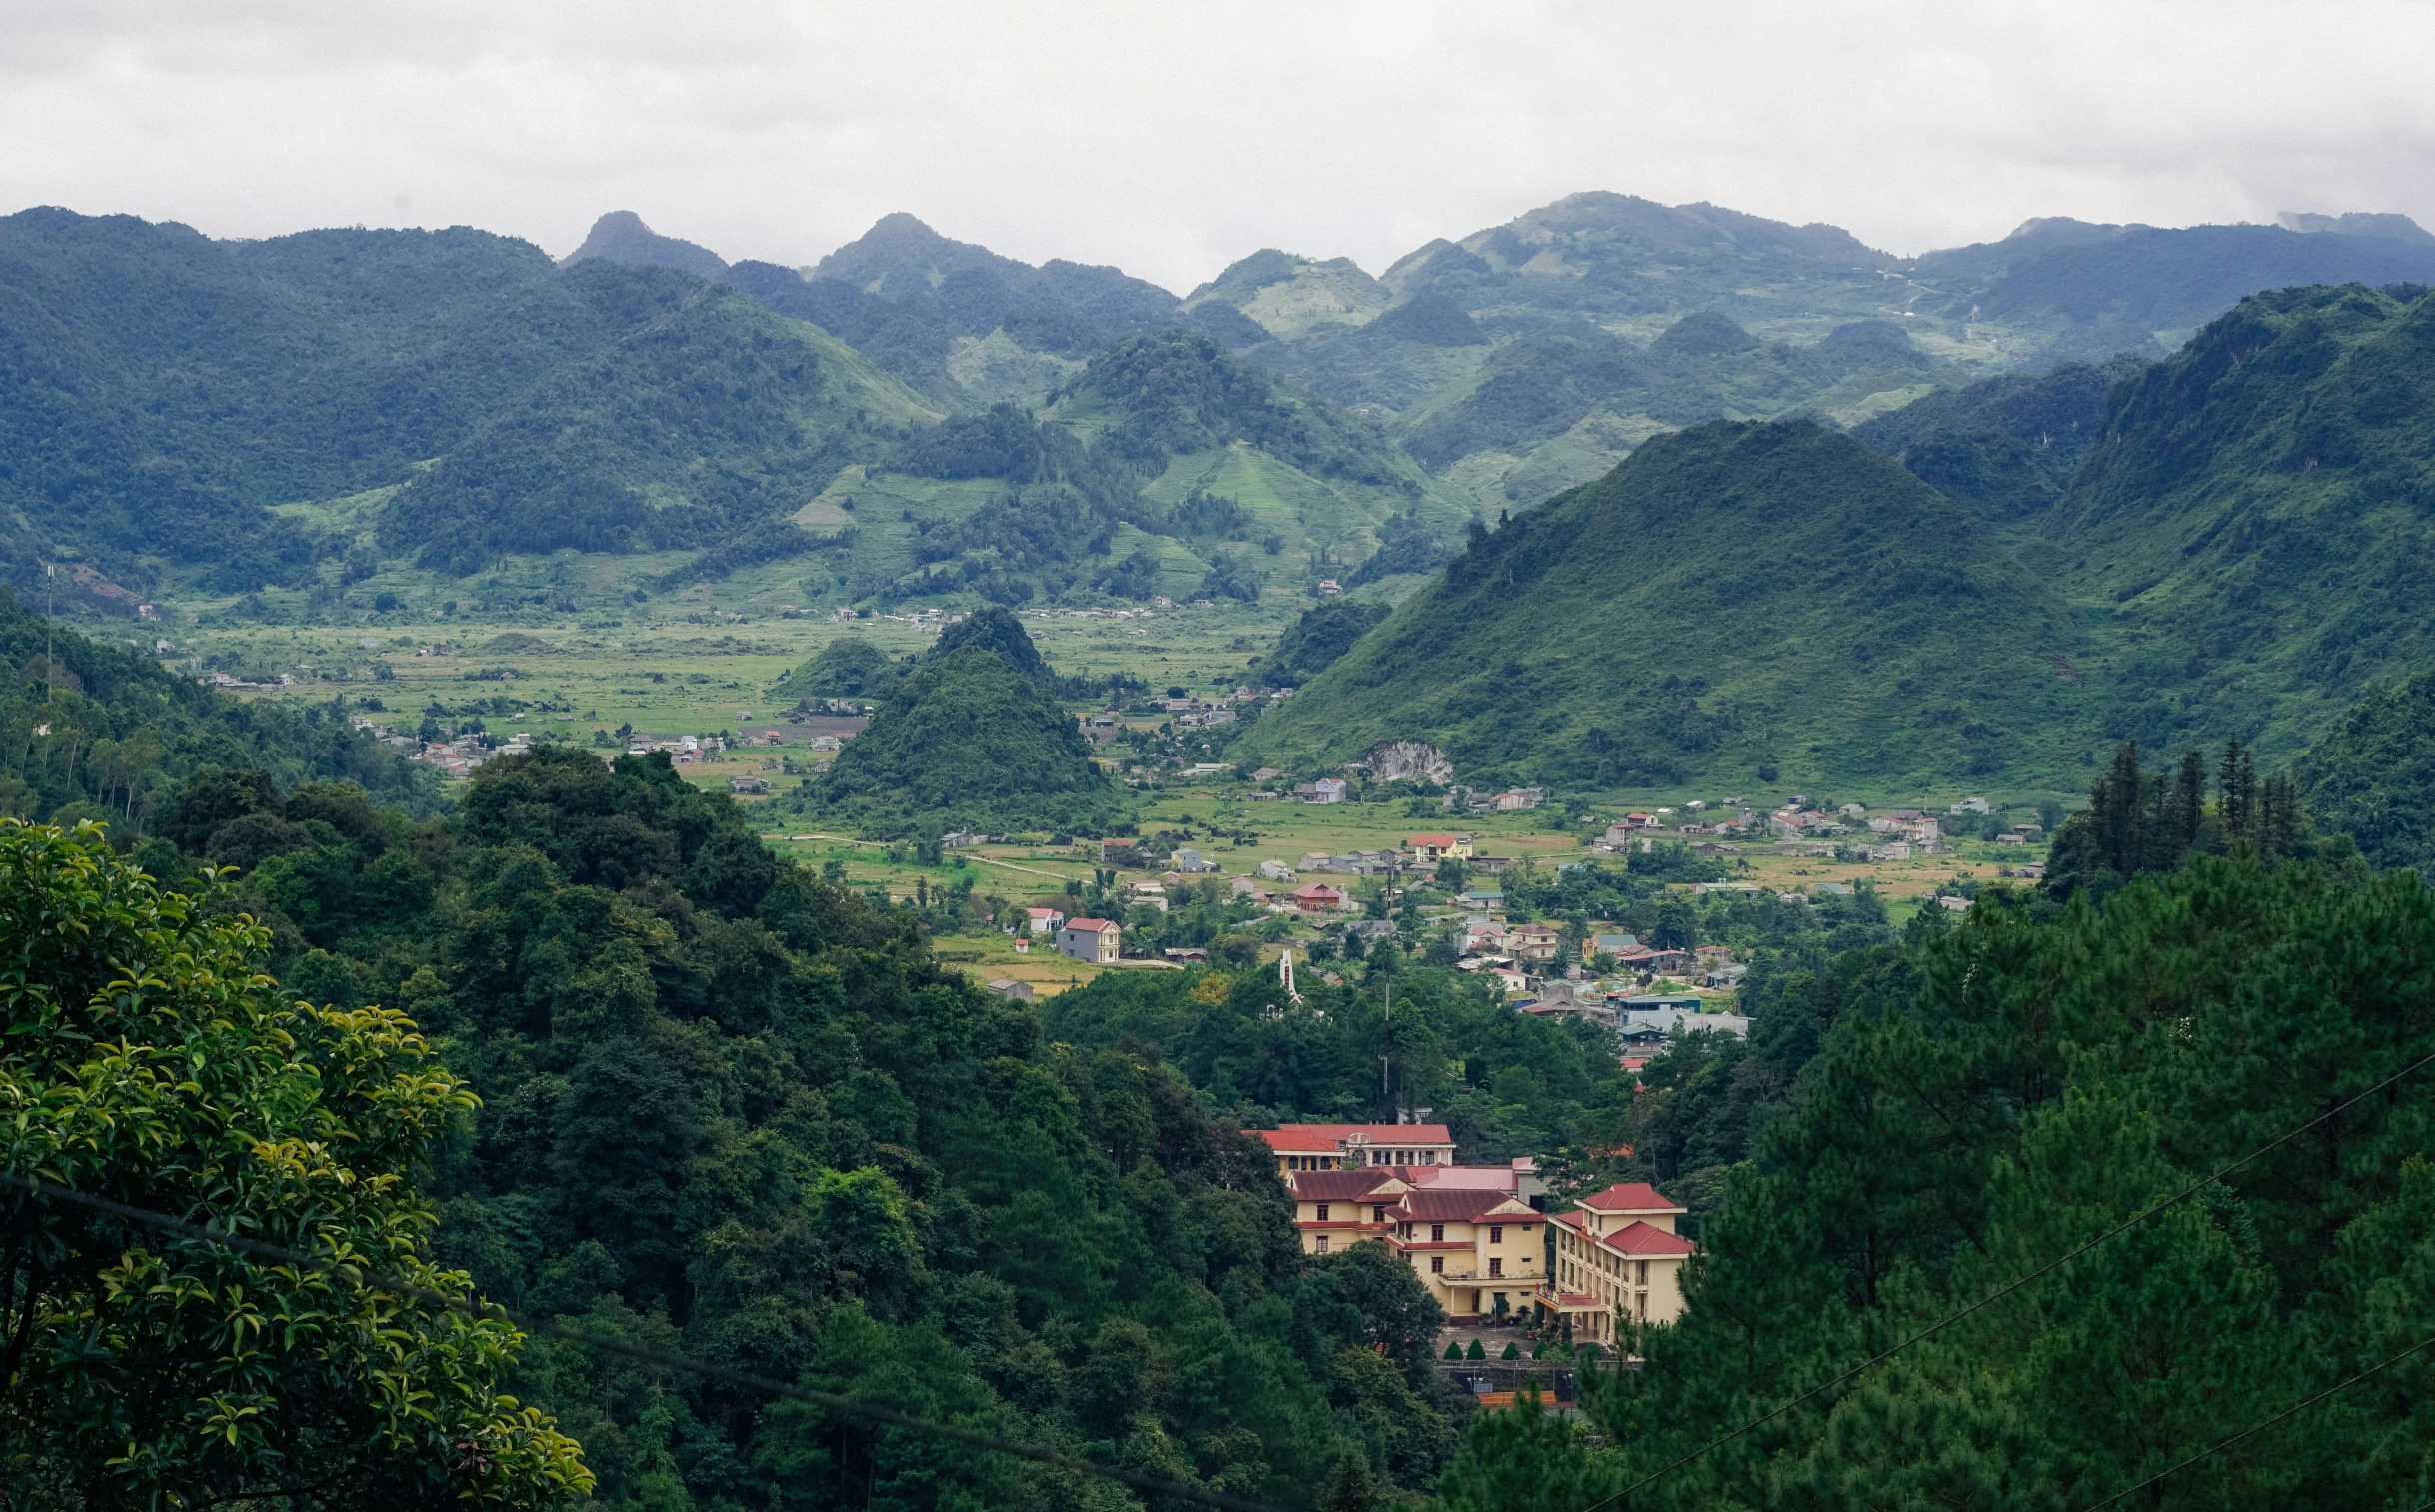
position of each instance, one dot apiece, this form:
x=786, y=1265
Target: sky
x=1171, y=139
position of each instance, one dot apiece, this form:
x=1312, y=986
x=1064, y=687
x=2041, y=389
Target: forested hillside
x=1764, y=600
x=2006, y=446
x=159, y=391
x=970, y=735
x=89, y=730
x=2249, y=518
x=730, y=1110
x=1989, y=1100
x=180, y=411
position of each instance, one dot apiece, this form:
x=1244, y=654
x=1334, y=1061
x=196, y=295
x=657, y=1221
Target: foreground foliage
x=730, y=1111
x=2033, y=1077
x=147, y=1060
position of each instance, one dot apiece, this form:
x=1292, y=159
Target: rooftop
x=1632, y=1197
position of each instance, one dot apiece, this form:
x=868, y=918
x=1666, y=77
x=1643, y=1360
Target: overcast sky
x=1173, y=138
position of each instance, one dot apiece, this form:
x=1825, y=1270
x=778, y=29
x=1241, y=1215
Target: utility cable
x=873, y=1412
x=2218, y=1448
x=2006, y=1290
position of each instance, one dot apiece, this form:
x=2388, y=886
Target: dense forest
x=1996, y=1097
x=680, y=1093
x=727, y=1107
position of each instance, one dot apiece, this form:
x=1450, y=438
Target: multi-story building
x=1478, y=1252
x=1468, y=1232
x=1091, y=940
x=1345, y=1147
x=1617, y=1257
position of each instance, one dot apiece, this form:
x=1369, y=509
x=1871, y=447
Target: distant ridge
x=619, y=237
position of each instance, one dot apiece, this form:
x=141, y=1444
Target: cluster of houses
x=380, y=732
x=464, y=757
x=1479, y=1237
x=684, y=750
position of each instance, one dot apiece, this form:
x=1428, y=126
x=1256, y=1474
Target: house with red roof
x=1438, y=848
x=1617, y=1258
x=1044, y=920
x=1317, y=897
x=1335, y=1206
x=1347, y=1146
x=1093, y=941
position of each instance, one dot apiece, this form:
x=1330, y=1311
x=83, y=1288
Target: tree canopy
x=149, y=1061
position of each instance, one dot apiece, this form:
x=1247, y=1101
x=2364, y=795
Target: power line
x=2268, y=1423
x=2004, y=1291
x=875, y=1413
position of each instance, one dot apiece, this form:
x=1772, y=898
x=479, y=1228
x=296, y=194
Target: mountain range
x=1974, y=512
x=2229, y=544
x=252, y=412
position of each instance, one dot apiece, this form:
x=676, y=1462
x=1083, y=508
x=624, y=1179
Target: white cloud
x=1171, y=139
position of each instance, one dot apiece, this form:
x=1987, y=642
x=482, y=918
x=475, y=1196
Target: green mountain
x=2249, y=526
x=1737, y=597
x=619, y=237
x=2006, y=446
x=95, y=730
x=706, y=415
x=161, y=392
x=1316, y=640
x=2372, y=775
x=1166, y=464
x=969, y=738
x=846, y=668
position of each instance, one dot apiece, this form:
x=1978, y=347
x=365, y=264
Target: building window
x=1378, y=1215
x=1497, y=1267
x=1437, y=1234
x=1322, y=1244
x=1322, y=1212
x=1436, y=1265
x=1644, y=1272
x=1496, y=1233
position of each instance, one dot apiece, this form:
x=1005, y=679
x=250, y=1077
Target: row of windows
x=1377, y=1213
x=1579, y=1275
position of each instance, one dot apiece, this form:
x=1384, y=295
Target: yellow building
x=1438, y=848
x=1347, y=1147
x=1472, y=1250
x=1334, y=1208
x=1617, y=1255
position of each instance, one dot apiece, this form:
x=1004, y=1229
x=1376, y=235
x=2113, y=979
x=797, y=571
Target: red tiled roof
x=1296, y=1140
x=1436, y=839
x=1044, y=913
x=1343, y=1186
x=1430, y=1204
x=1648, y=1239
x=1632, y=1197
x=1422, y=1134
x=1093, y=925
